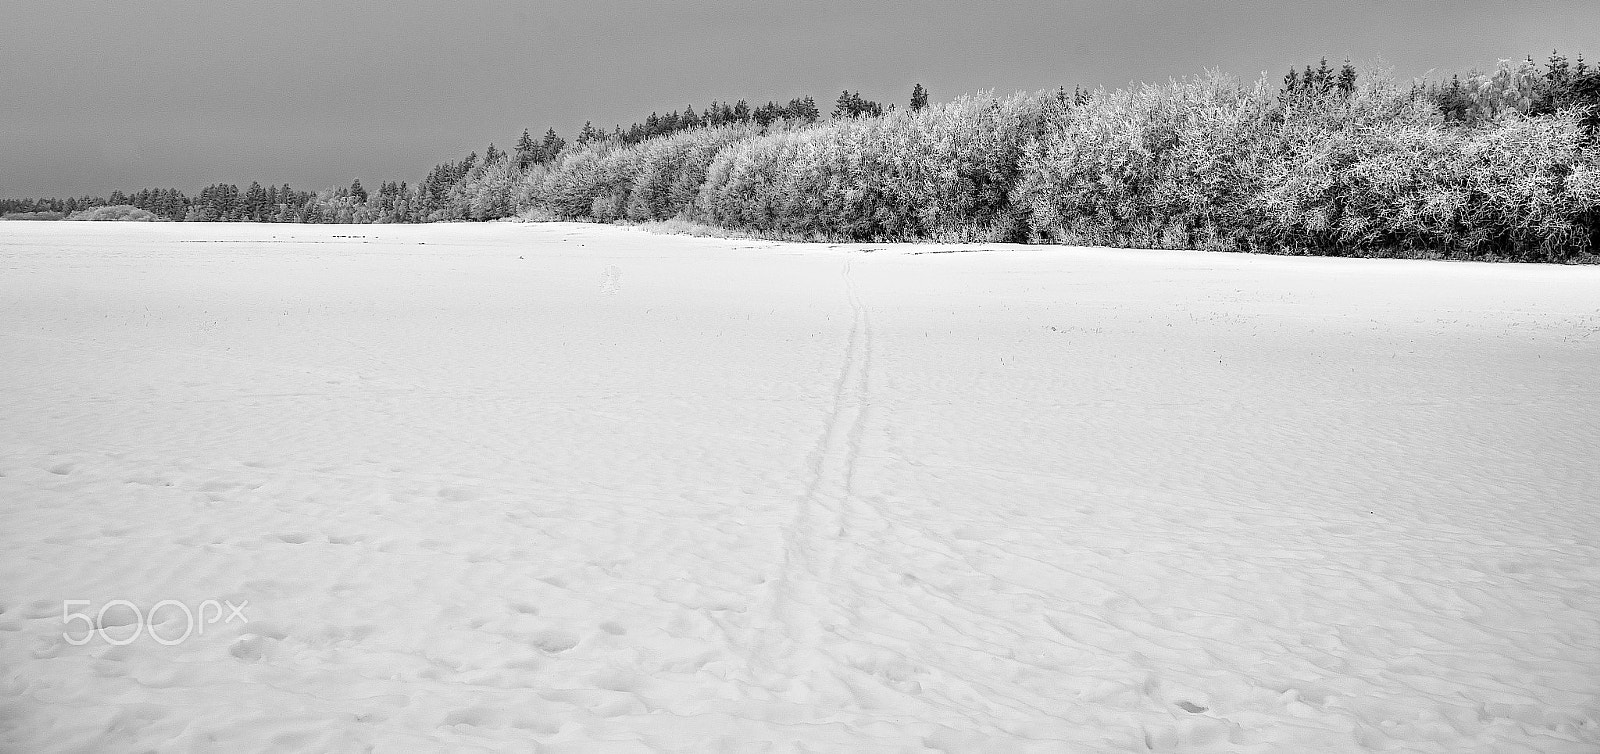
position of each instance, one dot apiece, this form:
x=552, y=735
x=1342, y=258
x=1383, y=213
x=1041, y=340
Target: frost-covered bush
x=123, y=212
x=588, y=182
x=744, y=184
x=1170, y=165
x=1362, y=168
x=488, y=193
x=1374, y=171
x=656, y=179
x=1311, y=148
x=1516, y=188
x=672, y=170
x=940, y=172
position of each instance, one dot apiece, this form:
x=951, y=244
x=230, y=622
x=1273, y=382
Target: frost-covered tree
x=526, y=151
x=588, y=135
x=550, y=146
x=853, y=105
x=1347, y=78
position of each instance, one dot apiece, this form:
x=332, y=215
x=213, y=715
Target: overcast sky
x=100, y=95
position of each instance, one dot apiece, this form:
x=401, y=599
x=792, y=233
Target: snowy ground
x=486, y=486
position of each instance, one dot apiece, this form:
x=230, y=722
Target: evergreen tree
x=255, y=201
x=1453, y=101
x=766, y=114
x=360, y=194
x=845, y=106
x=804, y=109
x=590, y=134
x=852, y=105
x=527, y=150
x=550, y=146
x=1324, y=78
x=1347, y=78
x=919, y=97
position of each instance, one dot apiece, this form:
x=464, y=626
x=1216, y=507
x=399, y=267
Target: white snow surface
x=573, y=488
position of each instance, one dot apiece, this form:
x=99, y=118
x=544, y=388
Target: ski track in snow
x=798, y=600
x=791, y=497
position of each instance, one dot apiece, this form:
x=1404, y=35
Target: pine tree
x=255, y=201
x=551, y=146
x=1557, y=70
x=527, y=151
x=1324, y=77
x=590, y=134
x=360, y=194
x=1347, y=78
x=853, y=105
x=804, y=109
x=845, y=106
x=767, y=113
x=919, y=98
x=1453, y=100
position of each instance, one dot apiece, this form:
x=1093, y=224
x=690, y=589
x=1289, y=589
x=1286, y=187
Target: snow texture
x=571, y=488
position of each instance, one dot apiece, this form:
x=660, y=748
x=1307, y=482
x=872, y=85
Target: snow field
x=581, y=488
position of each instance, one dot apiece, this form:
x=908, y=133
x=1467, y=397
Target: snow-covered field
x=574, y=488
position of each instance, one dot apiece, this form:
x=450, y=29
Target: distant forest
x=399, y=201
x=1503, y=164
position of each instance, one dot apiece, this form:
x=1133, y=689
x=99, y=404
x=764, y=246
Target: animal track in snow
x=554, y=641
x=611, y=281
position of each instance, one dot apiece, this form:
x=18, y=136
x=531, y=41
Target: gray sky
x=99, y=95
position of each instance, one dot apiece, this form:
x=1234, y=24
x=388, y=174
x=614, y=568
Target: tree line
x=430, y=200
x=1502, y=164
